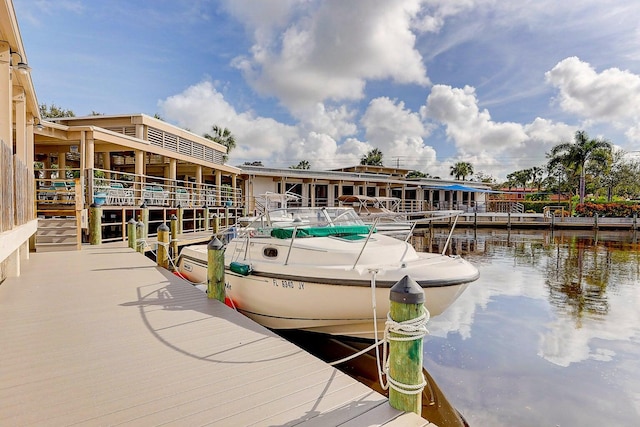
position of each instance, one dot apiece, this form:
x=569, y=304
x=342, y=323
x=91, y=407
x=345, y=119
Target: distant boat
x=315, y=268
x=383, y=210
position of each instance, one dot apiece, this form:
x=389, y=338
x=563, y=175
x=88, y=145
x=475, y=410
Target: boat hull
x=338, y=302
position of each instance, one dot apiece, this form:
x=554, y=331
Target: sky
x=496, y=83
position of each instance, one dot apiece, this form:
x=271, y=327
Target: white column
x=21, y=126
x=6, y=95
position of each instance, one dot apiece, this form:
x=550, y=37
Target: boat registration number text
x=288, y=284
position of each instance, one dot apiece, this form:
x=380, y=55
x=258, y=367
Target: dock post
x=131, y=234
x=180, y=213
x=162, y=254
x=595, y=221
x=215, y=270
x=635, y=221
x=144, y=214
x=509, y=220
x=475, y=220
x=205, y=213
x=95, y=225
x=405, y=356
x=216, y=224
x=174, y=236
x=140, y=240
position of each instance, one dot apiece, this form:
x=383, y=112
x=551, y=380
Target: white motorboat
x=324, y=270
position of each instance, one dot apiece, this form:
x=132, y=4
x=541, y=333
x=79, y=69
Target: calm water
x=550, y=333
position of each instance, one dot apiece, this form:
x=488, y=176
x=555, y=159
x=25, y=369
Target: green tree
x=224, y=137
x=485, y=178
x=537, y=176
x=417, y=174
x=575, y=156
x=303, y=164
x=461, y=170
x=519, y=178
x=372, y=158
x=53, y=111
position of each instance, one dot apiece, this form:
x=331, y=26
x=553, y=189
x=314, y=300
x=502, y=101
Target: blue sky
x=428, y=82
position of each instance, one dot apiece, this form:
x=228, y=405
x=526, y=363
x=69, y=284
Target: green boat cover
x=340, y=231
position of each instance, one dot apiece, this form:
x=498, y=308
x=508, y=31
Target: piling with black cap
x=162, y=254
x=405, y=357
x=215, y=269
x=174, y=236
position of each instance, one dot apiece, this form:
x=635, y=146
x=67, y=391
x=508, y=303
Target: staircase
x=58, y=234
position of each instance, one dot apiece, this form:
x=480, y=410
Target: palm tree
x=536, y=177
x=575, y=155
x=461, y=170
x=372, y=158
x=224, y=137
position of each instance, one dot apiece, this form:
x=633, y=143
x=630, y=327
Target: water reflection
x=552, y=322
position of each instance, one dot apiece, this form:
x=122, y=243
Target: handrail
x=373, y=227
x=450, y=235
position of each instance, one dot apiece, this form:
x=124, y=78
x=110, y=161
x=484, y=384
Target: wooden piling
x=405, y=357
x=216, y=224
x=205, y=214
x=131, y=234
x=162, y=254
x=215, y=270
x=180, y=212
x=140, y=240
x=144, y=215
x=174, y=236
x=95, y=225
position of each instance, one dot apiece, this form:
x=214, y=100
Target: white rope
x=171, y=259
x=408, y=330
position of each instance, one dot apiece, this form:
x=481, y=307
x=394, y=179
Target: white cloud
x=492, y=147
x=200, y=107
x=610, y=96
x=331, y=49
x=398, y=133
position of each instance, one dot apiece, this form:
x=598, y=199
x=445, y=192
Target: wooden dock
x=104, y=337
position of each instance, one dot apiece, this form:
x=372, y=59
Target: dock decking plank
x=102, y=336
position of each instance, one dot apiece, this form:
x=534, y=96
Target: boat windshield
x=312, y=217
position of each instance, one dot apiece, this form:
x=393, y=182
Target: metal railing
x=124, y=189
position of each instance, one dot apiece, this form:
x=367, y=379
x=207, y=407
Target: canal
x=550, y=333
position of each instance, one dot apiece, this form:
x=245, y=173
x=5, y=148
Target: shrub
x=615, y=210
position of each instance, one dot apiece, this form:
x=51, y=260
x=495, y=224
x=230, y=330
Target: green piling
x=180, y=211
x=140, y=240
x=162, y=254
x=215, y=270
x=131, y=234
x=174, y=236
x=95, y=225
x=405, y=357
x=144, y=213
